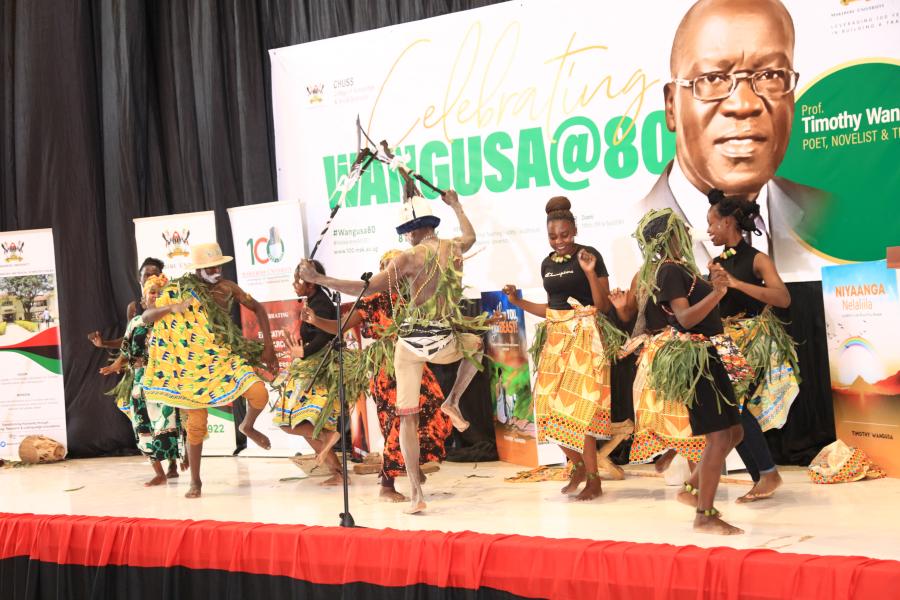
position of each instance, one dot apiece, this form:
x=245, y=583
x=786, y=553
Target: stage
x=803, y=543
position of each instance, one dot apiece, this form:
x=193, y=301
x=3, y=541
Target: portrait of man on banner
x=730, y=102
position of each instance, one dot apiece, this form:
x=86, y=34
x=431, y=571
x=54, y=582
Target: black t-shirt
x=740, y=265
x=567, y=279
x=314, y=339
x=655, y=319
x=674, y=281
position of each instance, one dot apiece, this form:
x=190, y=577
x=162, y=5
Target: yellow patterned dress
x=771, y=395
x=297, y=405
x=572, y=393
x=660, y=424
x=187, y=367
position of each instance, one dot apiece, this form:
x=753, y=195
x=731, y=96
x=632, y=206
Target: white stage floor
x=857, y=519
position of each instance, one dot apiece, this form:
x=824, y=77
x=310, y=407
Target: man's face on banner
x=735, y=143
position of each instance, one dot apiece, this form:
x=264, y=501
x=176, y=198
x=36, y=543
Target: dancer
x=571, y=393
x=157, y=428
x=374, y=315
x=427, y=280
x=150, y=266
x=198, y=358
x=690, y=367
x=309, y=413
x=753, y=285
x=661, y=424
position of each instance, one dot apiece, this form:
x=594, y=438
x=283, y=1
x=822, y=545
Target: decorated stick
x=362, y=162
x=396, y=162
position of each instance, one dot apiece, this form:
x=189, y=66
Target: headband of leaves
x=662, y=236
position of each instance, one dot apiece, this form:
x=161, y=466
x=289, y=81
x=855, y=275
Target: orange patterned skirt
x=659, y=425
x=571, y=393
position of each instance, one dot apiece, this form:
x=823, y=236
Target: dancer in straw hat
x=198, y=358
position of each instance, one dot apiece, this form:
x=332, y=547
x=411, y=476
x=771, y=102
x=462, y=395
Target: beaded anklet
x=709, y=512
x=690, y=489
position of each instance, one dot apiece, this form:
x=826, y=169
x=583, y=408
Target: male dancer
x=431, y=327
x=198, y=358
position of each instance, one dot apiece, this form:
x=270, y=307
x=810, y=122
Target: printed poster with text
x=32, y=399
x=862, y=313
x=268, y=242
x=510, y=382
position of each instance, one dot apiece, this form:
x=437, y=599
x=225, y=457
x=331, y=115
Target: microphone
x=366, y=276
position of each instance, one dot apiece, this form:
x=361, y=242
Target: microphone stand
x=338, y=342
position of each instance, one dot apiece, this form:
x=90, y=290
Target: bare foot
x=591, y=490
x=172, y=473
x=455, y=416
x=334, y=480
x=575, y=479
x=715, y=525
x=687, y=498
x=258, y=438
x=157, y=480
x=415, y=508
x=185, y=463
x=664, y=461
x=764, y=488
x=389, y=494
x=194, y=491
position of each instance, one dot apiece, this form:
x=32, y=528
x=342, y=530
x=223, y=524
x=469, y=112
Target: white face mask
x=210, y=278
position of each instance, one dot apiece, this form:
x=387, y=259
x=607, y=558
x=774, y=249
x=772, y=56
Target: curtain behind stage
x=117, y=109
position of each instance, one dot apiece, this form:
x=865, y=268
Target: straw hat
x=415, y=214
x=204, y=256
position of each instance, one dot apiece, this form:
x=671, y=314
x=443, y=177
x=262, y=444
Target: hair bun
x=558, y=203
x=751, y=209
x=715, y=196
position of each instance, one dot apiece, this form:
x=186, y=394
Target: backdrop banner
x=169, y=238
x=517, y=102
x=269, y=242
x=32, y=400
x=862, y=314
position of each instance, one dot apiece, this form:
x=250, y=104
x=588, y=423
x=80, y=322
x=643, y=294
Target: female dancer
x=576, y=352
x=308, y=413
x=691, y=366
x=374, y=314
x=150, y=267
x=157, y=428
x=753, y=284
x=661, y=425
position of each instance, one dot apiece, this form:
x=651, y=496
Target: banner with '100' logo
x=268, y=244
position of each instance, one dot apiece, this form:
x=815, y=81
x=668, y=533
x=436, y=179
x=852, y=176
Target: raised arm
x=625, y=302
x=689, y=316
x=402, y=264
x=773, y=291
x=152, y=315
x=599, y=285
x=538, y=310
x=269, y=357
x=466, y=238
x=308, y=315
